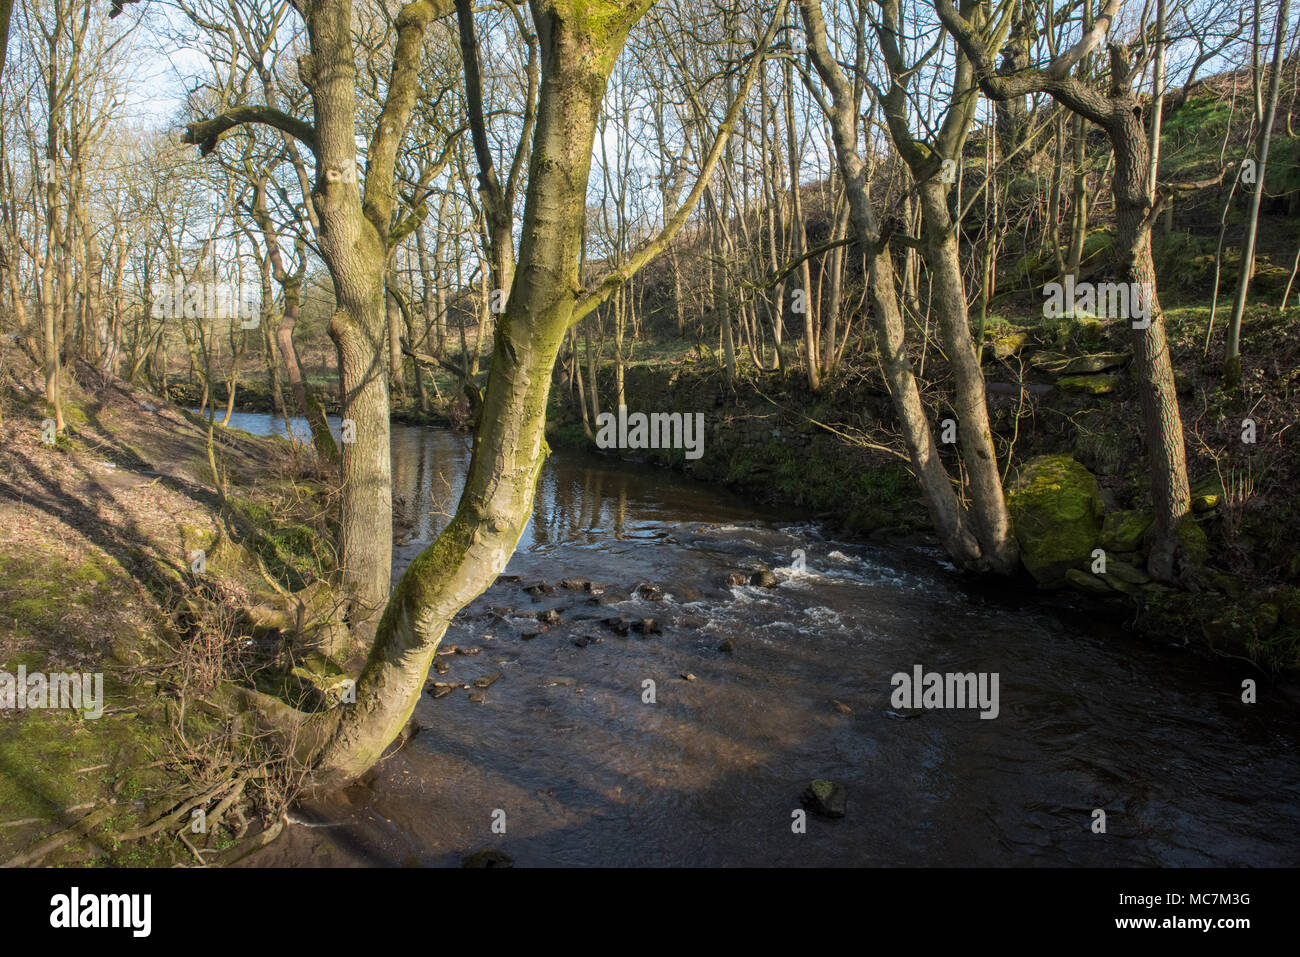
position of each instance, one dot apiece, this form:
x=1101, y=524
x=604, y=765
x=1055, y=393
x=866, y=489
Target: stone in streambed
x=824, y=798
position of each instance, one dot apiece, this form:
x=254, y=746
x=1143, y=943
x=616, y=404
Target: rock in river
x=824, y=798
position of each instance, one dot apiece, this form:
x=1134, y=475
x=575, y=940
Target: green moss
x=1098, y=384
x=1207, y=494
x=52, y=760
x=1193, y=541
x=1004, y=347
x=1123, y=531
x=1056, y=507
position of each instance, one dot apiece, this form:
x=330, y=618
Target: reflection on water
x=588, y=772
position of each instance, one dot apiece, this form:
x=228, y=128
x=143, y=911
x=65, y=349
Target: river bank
x=122, y=555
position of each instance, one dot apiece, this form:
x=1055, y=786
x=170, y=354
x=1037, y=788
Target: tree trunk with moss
x=579, y=42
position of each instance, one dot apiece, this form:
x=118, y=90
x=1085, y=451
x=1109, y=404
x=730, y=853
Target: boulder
x=1087, y=582
x=1126, y=572
x=1057, y=509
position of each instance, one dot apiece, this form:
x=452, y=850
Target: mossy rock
x=1091, y=330
x=1049, y=360
x=1004, y=347
x=1099, y=384
x=1099, y=362
x=1087, y=582
x=1124, y=572
x=1057, y=510
x=1207, y=494
x=824, y=798
x=1123, y=531
x=1195, y=545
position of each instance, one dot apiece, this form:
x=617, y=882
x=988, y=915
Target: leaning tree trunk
x=579, y=40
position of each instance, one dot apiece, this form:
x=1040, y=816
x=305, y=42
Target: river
x=564, y=760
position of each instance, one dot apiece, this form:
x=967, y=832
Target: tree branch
x=205, y=133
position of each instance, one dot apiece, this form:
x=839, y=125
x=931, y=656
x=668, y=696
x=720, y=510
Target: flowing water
x=567, y=754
